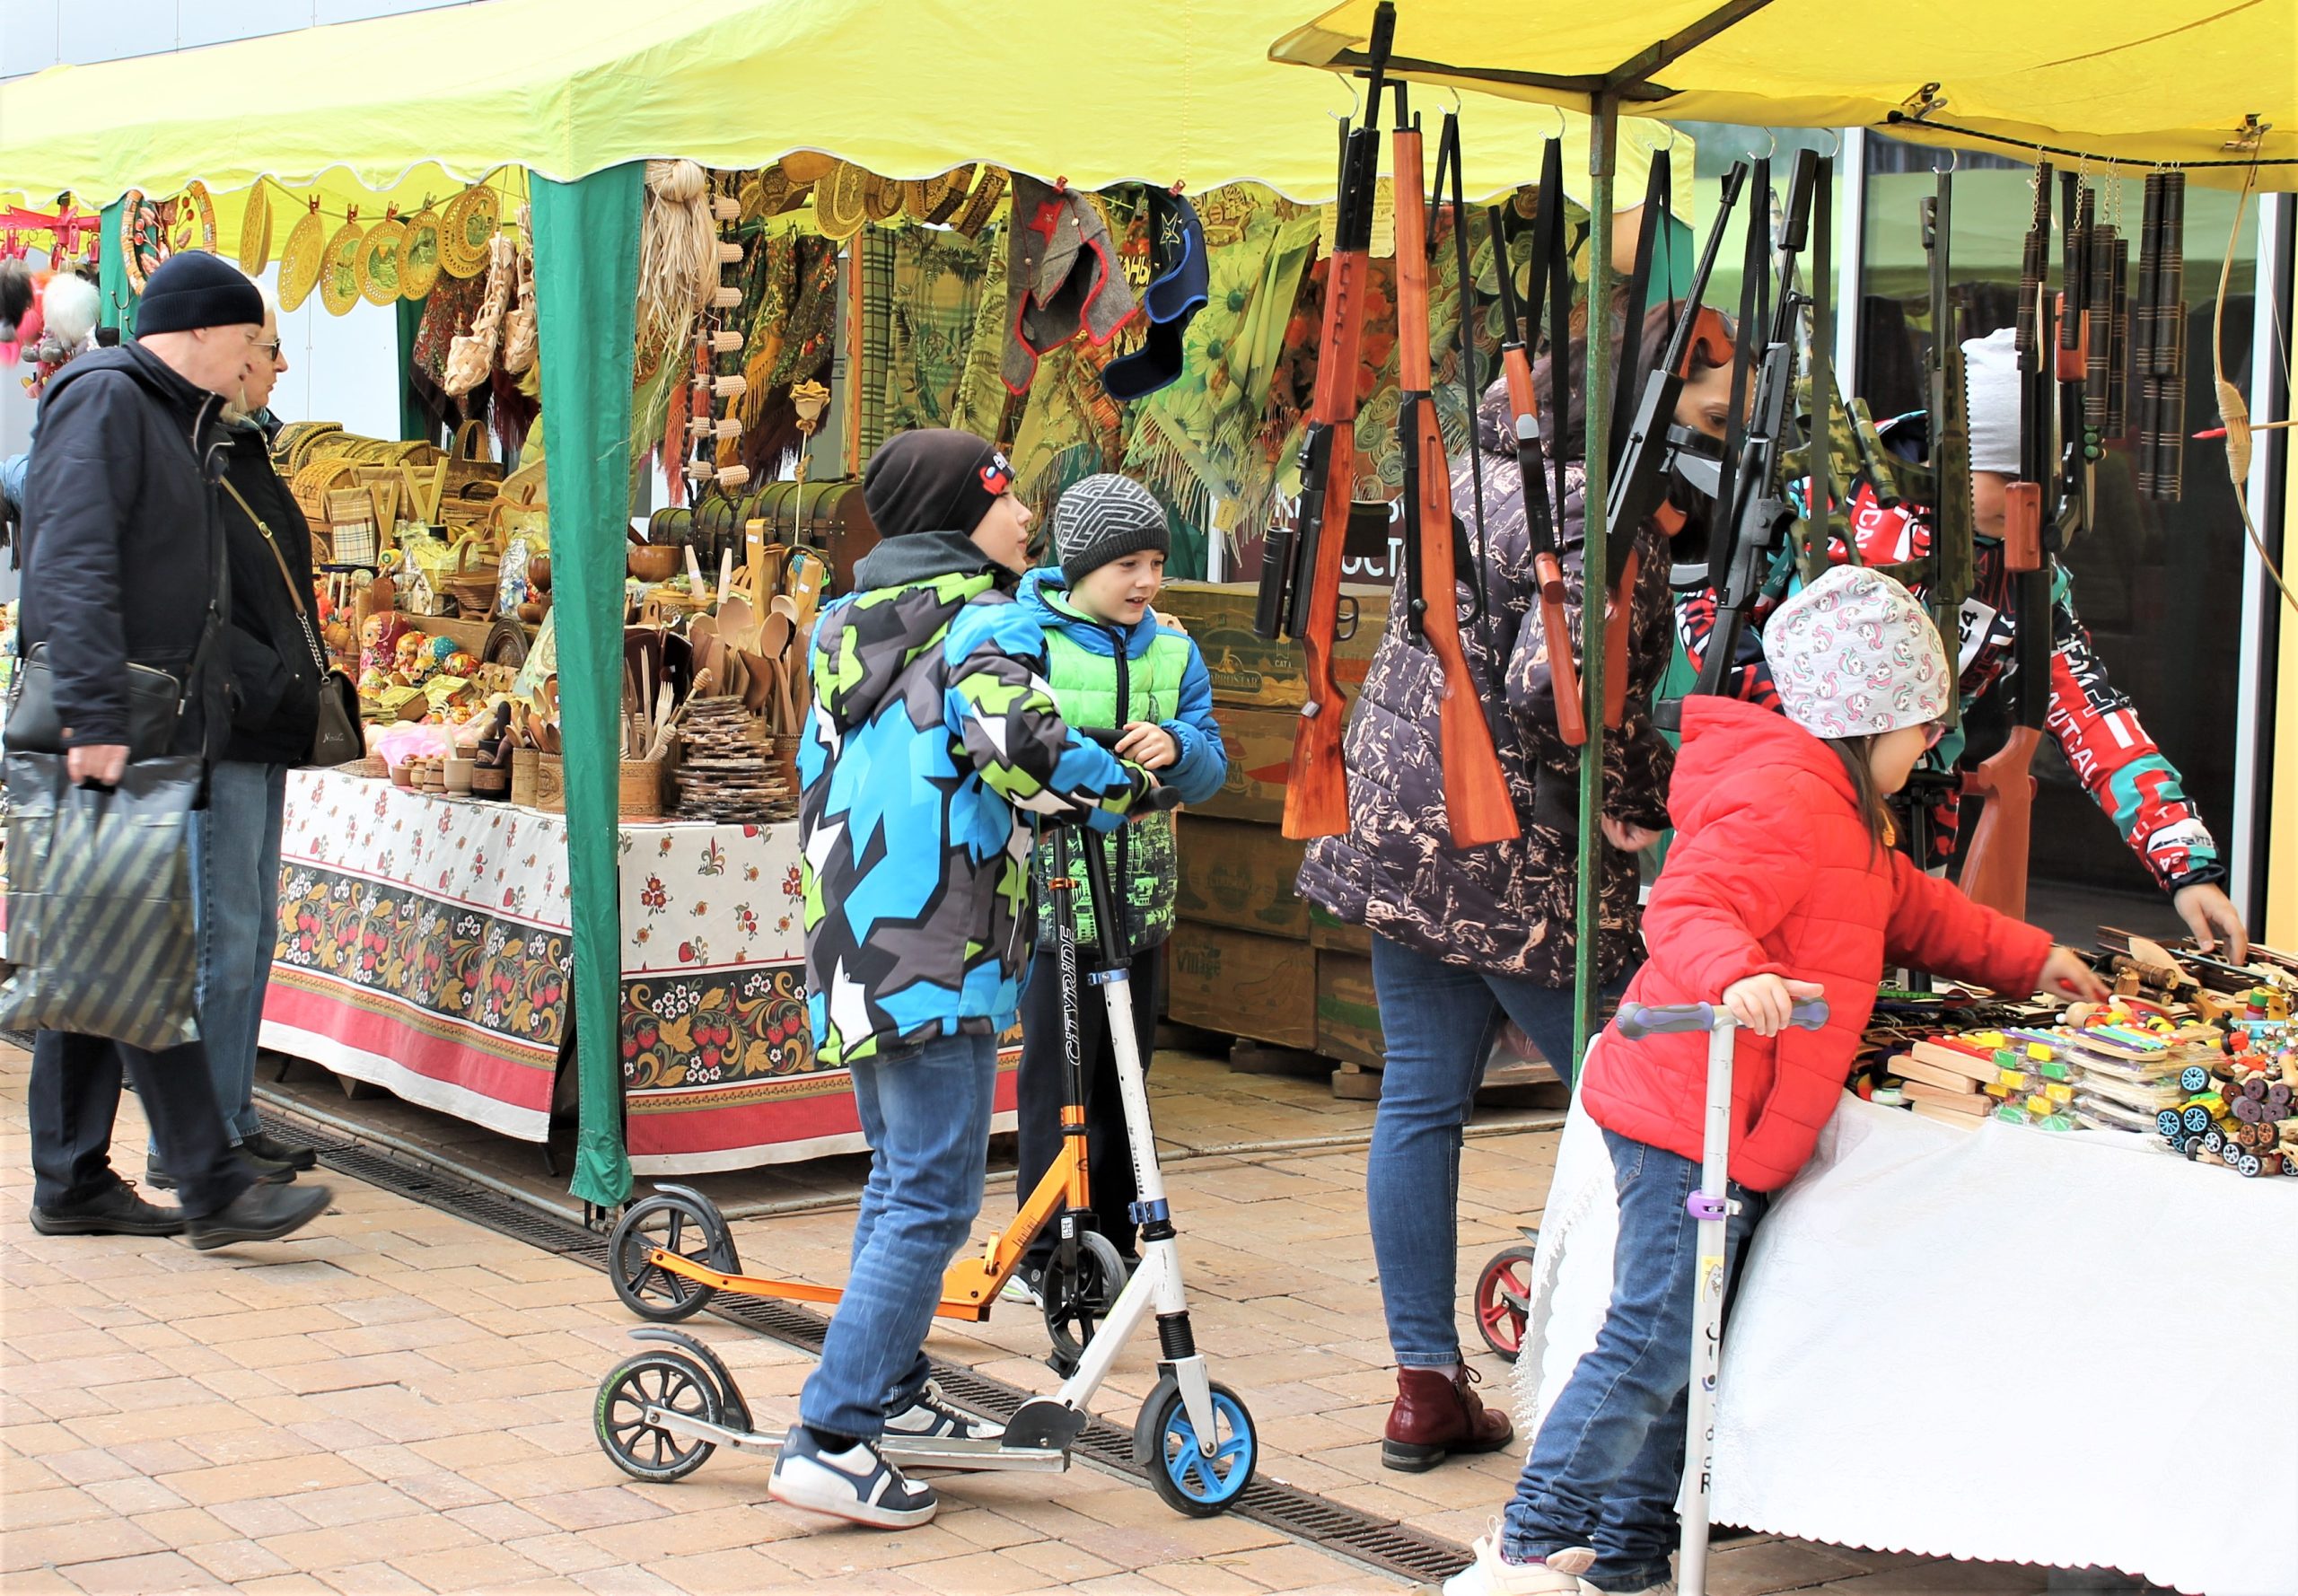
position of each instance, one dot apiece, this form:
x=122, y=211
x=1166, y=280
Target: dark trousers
x=1039, y=1091
x=76, y=1096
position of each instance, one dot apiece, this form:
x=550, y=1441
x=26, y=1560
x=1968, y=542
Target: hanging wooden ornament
x=377, y=265
x=472, y=218
x=419, y=254
x=339, y=267
x=191, y=220
x=142, y=240
x=255, y=231
x=299, y=259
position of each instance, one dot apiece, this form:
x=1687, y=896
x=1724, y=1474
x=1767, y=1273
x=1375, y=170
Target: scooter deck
x=948, y=1453
x=972, y=1307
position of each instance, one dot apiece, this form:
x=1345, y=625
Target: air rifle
x=1299, y=581
x=1639, y=485
x=1948, y=580
x=1523, y=407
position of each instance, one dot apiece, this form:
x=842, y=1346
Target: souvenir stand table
x=425, y=946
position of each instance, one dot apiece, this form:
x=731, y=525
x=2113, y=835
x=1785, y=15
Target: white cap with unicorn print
x=1854, y=656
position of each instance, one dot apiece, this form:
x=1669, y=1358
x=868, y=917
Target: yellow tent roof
x=2164, y=80
x=412, y=104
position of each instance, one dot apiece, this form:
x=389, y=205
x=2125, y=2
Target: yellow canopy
x=410, y=104
x=2165, y=80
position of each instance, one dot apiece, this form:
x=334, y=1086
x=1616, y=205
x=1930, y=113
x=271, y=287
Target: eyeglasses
x=269, y=351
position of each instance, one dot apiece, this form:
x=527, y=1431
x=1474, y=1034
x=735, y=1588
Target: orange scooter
x=672, y=1250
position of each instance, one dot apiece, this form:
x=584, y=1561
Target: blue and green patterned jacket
x=934, y=737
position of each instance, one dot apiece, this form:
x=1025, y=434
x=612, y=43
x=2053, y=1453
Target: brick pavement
x=400, y=1401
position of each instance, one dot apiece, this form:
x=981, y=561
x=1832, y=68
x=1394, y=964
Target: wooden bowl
x=539, y=571
x=650, y=563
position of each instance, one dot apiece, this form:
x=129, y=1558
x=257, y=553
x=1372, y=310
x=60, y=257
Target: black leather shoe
x=293, y=1154
x=118, y=1212
x=268, y=1171
x=259, y=1213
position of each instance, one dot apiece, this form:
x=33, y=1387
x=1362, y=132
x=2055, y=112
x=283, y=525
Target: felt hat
x=1176, y=292
x=981, y=202
x=935, y=479
x=882, y=197
x=841, y=201
x=1854, y=656
x=1105, y=517
x=196, y=289
x=1991, y=387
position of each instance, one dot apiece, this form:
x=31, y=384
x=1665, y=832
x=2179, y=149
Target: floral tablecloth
x=425, y=946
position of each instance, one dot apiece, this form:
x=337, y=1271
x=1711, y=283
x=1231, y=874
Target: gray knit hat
x=1105, y=517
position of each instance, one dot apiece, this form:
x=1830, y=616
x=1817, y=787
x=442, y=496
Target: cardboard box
x=1240, y=873
x=1259, y=745
x=1253, y=672
x=1348, y=1012
x=1264, y=988
x=1328, y=931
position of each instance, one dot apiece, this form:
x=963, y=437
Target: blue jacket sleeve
x=1204, y=764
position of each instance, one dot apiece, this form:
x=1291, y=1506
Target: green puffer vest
x=1140, y=854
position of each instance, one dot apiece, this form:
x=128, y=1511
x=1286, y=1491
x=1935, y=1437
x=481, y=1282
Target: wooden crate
x=1240, y=873
x=1348, y=1013
x=1326, y=930
x=1259, y=746
x=1253, y=672
x=1264, y=988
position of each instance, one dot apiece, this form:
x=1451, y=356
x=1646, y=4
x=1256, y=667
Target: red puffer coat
x=1773, y=873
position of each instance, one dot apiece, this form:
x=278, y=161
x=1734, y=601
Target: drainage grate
x=1378, y=1543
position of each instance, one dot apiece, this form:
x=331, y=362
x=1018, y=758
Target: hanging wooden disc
x=377, y=263
x=882, y=198
x=191, y=221
x=339, y=268
x=299, y=258
x=143, y=239
x=472, y=220
x=979, y=204
x=419, y=254
x=947, y=192
x=840, y=206
x=255, y=231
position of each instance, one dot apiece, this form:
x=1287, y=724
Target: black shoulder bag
x=336, y=739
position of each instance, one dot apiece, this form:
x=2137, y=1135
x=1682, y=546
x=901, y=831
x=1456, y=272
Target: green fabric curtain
x=118, y=308
x=413, y=420
x=586, y=291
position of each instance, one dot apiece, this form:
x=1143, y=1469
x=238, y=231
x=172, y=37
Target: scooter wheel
x=675, y=1225
x=1193, y=1478
x=1077, y=1301
x=667, y=1380
x=1503, y=1300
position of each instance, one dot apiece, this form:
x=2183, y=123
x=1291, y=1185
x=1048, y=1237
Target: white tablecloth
x=1996, y=1344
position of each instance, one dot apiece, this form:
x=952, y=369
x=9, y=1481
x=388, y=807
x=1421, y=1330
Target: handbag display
x=336, y=739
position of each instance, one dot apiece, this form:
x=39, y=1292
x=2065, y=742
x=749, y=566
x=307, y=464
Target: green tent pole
x=586, y=293
x=118, y=307
x=1603, y=136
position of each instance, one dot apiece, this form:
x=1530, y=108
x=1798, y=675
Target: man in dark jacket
x=122, y=528
x=276, y=685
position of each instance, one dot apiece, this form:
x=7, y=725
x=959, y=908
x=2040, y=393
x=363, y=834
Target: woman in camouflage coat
x=1465, y=939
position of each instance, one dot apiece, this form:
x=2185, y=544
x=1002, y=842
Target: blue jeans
x=1610, y=1458
x=235, y=896
x=926, y=1111
x=1440, y=1021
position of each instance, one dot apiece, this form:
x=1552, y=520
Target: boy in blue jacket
x=934, y=737
x=1115, y=667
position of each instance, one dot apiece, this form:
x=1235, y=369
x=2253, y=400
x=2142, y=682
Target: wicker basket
x=472, y=459
x=639, y=795
x=349, y=524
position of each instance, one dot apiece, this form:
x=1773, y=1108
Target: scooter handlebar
x=1636, y=1020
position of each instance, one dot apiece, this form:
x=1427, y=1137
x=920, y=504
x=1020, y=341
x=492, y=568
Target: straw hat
x=974, y=214
x=299, y=259
x=419, y=254
x=882, y=197
x=255, y=231
x=808, y=166
x=840, y=201
x=471, y=219
x=339, y=268
x=377, y=264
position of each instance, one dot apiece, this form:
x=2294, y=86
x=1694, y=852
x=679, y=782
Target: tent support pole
x=1603, y=140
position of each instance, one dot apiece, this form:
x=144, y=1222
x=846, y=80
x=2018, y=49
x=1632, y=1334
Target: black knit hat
x=1105, y=517
x=195, y=289
x=933, y=481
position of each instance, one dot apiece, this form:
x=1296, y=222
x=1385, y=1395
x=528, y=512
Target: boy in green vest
x=1114, y=666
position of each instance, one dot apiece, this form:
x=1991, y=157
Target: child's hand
x=1148, y=745
x=1765, y=1003
x=2066, y=973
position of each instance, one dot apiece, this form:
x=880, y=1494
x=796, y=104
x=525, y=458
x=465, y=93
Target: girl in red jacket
x=1781, y=883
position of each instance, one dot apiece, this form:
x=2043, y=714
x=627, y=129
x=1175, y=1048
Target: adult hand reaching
x=2208, y=910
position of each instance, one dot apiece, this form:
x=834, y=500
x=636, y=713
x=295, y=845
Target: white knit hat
x=1991, y=387
x=1854, y=654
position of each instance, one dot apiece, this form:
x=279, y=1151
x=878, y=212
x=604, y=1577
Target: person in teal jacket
x=933, y=740
x=1116, y=668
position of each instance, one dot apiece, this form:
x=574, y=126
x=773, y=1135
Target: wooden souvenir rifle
x=1477, y=802
x=1994, y=864
x=1300, y=580
x=1756, y=513
x=1646, y=464
x=1948, y=580
x=1524, y=414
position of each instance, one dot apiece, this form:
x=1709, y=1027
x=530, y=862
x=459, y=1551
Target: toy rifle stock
x=1639, y=485
x=1477, y=802
x=1524, y=413
x=1995, y=865
x=1299, y=581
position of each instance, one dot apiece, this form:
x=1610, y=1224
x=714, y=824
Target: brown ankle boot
x=1437, y=1415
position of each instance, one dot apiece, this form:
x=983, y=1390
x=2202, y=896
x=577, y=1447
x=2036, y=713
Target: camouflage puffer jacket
x=1506, y=908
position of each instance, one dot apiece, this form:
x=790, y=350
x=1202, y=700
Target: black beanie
x=933, y=481
x=195, y=289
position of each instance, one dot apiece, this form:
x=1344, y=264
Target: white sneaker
x=1025, y=1289
x=856, y=1485
x=1491, y=1575
x=931, y=1417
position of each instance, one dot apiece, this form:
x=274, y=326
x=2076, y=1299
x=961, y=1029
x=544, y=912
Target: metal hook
x=1455, y=94
x=1835, y=147
x=1770, y=144
x=1954, y=159
x=1562, y=125
x=1356, y=103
